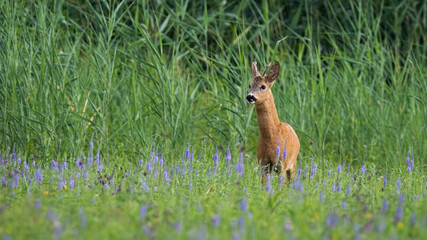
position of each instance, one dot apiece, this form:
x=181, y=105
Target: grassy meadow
x=128, y=119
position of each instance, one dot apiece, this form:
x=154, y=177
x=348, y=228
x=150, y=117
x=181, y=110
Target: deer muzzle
x=251, y=98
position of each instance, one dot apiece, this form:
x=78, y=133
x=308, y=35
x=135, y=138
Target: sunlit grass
x=131, y=77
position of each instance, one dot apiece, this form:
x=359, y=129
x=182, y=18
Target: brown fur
x=271, y=130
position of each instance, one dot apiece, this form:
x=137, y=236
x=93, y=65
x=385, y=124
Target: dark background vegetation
x=131, y=75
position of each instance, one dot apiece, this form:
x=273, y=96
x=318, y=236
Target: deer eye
x=263, y=87
x=249, y=86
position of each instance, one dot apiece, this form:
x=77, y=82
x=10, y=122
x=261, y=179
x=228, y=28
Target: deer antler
x=255, y=67
x=265, y=69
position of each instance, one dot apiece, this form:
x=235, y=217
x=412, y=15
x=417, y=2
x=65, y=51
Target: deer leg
x=290, y=170
x=265, y=170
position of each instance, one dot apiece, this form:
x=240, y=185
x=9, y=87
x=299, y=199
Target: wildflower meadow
x=129, y=119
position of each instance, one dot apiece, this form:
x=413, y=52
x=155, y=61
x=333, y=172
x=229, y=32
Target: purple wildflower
x=288, y=226
x=385, y=206
x=278, y=148
x=3, y=181
x=332, y=220
x=149, y=168
x=54, y=165
x=161, y=160
x=144, y=186
x=399, y=213
x=165, y=176
x=398, y=184
x=339, y=168
x=26, y=168
x=38, y=175
x=240, y=166
x=329, y=170
x=338, y=187
x=97, y=158
x=15, y=181
x=156, y=158
x=322, y=196
x=91, y=144
x=243, y=205
x=187, y=151
x=38, y=204
x=349, y=189
x=51, y=215
x=216, y=162
x=89, y=160
x=241, y=222
x=178, y=227
x=348, y=170
x=363, y=169
x=60, y=184
x=105, y=186
x=190, y=186
x=71, y=182
x=79, y=163
x=412, y=161
x=236, y=235
x=316, y=185
x=228, y=157
x=202, y=234
x=401, y=199
x=215, y=220
x=333, y=187
x=344, y=204
x=142, y=211
x=269, y=187
x=148, y=231
x=101, y=167
x=285, y=151
x=83, y=218
x=313, y=171
x=34, y=163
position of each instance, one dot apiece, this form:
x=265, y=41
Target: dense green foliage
x=131, y=75
x=208, y=196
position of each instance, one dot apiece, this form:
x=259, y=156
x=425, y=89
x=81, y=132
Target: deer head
x=261, y=84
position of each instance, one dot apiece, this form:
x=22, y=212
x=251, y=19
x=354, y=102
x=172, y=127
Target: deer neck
x=268, y=121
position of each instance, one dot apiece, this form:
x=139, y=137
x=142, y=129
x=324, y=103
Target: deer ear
x=274, y=72
x=254, y=69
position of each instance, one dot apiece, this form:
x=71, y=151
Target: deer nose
x=251, y=98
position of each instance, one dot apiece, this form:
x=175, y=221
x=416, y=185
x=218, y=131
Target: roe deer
x=272, y=133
